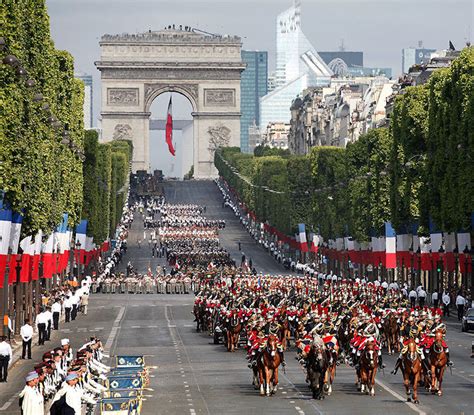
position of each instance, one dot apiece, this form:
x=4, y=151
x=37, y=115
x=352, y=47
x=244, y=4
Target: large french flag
x=28, y=247
x=36, y=256
x=15, y=231
x=302, y=237
x=48, y=256
x=449, y=263
x=378, y=250
x=436, y=242
x=464, y=247
x=89, y=249
x=390, y=247
x=169, y=128
x=5, y=227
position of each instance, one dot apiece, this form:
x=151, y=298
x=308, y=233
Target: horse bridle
x=438, y=347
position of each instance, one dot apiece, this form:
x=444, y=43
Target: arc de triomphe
x=136, y=68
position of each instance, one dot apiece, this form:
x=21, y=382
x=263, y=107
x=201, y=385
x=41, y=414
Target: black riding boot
x=282, y=358
x=397, y=365
x=449, y=363
x=381, y=365
x=424, y=363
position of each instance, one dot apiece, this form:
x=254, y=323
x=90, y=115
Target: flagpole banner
x=390, y=246
x=302, y=238
x=169, y=128
x=5, y=228
x=28, y=248
x=36, y=256
x=48, y=259
x=464, y=249
x=449, y=263
x=15, y=232
x=425, y=247
x=81, y=240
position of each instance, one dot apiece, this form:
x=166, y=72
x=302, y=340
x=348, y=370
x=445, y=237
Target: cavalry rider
x=430, y=337
x=410, y=331
x=370, y=334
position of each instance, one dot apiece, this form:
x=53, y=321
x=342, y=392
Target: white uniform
x=33, y=403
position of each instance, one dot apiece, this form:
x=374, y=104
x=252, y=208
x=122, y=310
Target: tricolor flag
x=390, y=247
x=48, y=257
x=15, y=231
x=316, y=240
x=436, y=242
x=378, y=251
x=62, y=236
x=28, y=247
x=416, y=254
x=449, y=264
x=425, y=248
x=464, y=248
x=5, y=227
x=302, y=238
x=169, y=128
x=404, y=242
x=81, y=241
x=89, y=249
x=36, y=256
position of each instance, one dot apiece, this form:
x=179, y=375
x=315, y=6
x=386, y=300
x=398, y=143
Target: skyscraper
x=87, y=79
x=253, y=86
x=298, y=66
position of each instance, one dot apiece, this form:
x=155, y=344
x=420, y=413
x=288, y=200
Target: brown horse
x=284, y=333
x=233, y=333
x=368, y=369
x=268, y=367
x=438, y=361
x=412, y=370
x=392, y=333
x=331, y=371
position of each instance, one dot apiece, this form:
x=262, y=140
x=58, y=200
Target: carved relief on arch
x=191, y=91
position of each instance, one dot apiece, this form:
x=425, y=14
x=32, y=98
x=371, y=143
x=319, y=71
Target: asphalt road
x=193, y=376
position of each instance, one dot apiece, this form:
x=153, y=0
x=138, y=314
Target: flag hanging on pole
x=169, y=128
x=15, y=231
x=5, y=227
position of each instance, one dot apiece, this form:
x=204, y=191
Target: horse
x=392, y=332
x=438, y=361
x=344, y=336
x=368, y=369
x=284, y=333
x=331, y=370
x=233, y=328
x=317, y=365
x=412, y=370
x=267, y=367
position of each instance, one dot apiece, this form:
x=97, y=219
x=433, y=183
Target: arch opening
x=179, y=165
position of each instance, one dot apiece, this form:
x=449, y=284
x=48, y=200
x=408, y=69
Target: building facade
x=276, y=135
x=254, y=85
x=338, y=114
x=88, y=91
x=415, y=56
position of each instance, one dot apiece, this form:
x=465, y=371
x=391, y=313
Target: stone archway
x=205, y=68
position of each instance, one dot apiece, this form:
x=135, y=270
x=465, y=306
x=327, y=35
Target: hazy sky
x=379, y=28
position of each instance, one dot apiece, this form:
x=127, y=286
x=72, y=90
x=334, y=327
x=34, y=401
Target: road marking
x=114, y=330
x=136, y=327
x=152, y=327
x=399, y=397
x=7, y=404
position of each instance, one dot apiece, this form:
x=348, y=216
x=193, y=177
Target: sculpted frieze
x=122, y=96
x=222, y=97
x=165, y=73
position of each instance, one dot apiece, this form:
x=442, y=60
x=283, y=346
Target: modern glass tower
x=298, y=66
x=253, y=86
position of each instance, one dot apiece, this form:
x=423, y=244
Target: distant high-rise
x=87, y=79
x=253, y=86
x=415, y=56
x=298, y=66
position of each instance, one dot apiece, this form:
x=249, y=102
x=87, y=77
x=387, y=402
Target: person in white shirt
x=26, y=333
x=412, y=296
x=49, y=322
x=5, y=358
x=72, y=396
x=460, y=303
x=31, y=399
x=446, y=301
x=41, y=323
x=421, y=297
x=68, y=308
x=56, y=310
x=435, y=299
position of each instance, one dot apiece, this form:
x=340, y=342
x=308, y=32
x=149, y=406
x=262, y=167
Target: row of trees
x=48, y=164
x=106, y=174
x=417, y=171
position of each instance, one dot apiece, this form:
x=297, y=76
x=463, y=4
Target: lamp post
x=78, y=264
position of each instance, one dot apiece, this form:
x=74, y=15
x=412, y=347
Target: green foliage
x=264, y=151
x=40, y=176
